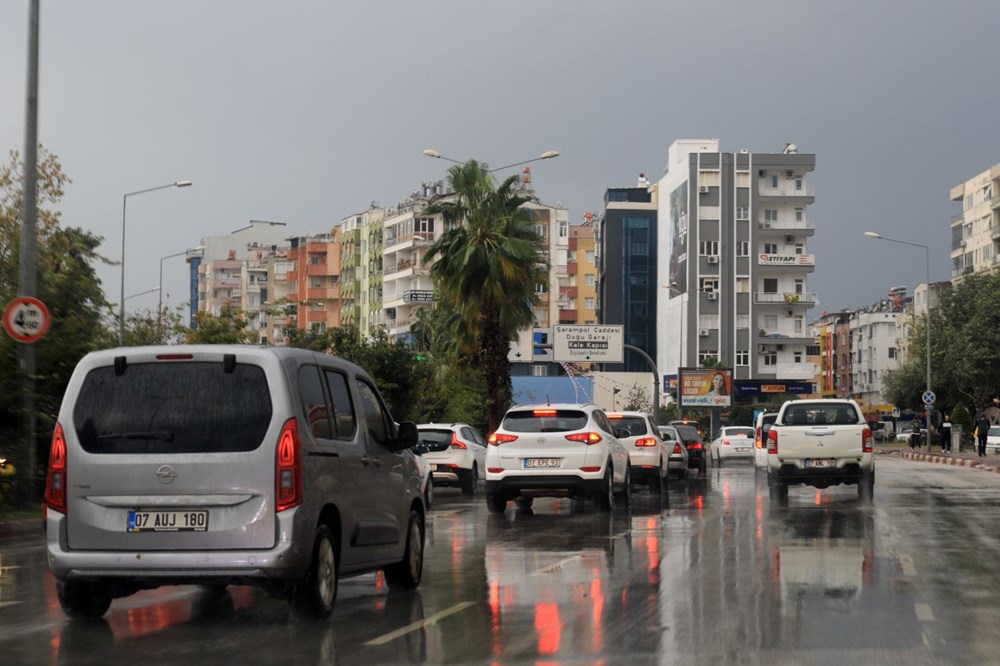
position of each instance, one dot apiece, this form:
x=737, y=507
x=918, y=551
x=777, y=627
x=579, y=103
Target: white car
x=561, y=450
x=993, y=439
x=764, y=422
x=678, y=458
x=456, y=453
x=733, y=443
x=648, y=454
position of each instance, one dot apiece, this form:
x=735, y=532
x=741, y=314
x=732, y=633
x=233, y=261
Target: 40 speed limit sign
x=26, y=319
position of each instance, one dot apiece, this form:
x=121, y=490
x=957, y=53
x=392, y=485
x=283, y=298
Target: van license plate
x=537, y=463
x=821, y=462
x=167, y=521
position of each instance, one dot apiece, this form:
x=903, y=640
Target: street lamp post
x=680, y=340
x=927, y=324
x=547, y=155
x=121, y=307
x=142, y=293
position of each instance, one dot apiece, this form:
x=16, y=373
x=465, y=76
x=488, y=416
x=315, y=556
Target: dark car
x=692, y=439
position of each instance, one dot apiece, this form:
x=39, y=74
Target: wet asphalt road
x=716, y=575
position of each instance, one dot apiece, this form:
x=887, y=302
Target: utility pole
x=25, y=490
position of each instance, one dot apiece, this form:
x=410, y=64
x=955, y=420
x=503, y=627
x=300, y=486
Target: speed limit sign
x=26, y=319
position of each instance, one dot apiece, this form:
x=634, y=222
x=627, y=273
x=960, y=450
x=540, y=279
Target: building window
x=800, y=286
x=770, y=358
x=706, y=354
x=742, y=321
x=743, y=249
x=892, y=352
x=542, y=230
x=589, y=256
x=774, y=181
x=742, y=357
x=742, y=213
x=770, y=248
x=588, y=302
x=742, y=285
x=770, y=322
x=798, y=184
x=588, y=279
x=770, y=285
x=563, y=228
x=708, y=248
x=710, y=285
x=539, y=371
x=797, y=357
x=771, y=214
x=799, y=214
x=541, y=288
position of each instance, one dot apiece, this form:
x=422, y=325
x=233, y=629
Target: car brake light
x=288, y=470
x=677, y=449
x=756, y=439
x=55, y=478
x=590, y=469
x=174, y=357
x=498, y=439
x=866, y=440
x=614, y=416
x=645, y=441
x=694, y=446
x=587, y=438
x=772, y=441
x=544, y=412
x=725, y=441
x=455, y=443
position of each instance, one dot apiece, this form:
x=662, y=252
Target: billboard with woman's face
x=701, y=387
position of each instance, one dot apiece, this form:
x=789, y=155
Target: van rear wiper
x=162, y=435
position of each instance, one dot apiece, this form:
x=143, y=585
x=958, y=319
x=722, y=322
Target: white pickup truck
x=820, y=443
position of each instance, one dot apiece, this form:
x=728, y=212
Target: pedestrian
x=982, y=431
x=946, y=434
x=915, y=427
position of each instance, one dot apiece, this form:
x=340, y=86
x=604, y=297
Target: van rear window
x=173, y=408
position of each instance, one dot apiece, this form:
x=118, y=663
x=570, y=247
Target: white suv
x=648, y=454
x=456, y=453
x=563, y=450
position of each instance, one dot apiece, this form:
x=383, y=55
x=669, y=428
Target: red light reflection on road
x=597, y=610
x=495, y=617
x=725, y=493
x=549, y=628
x=697, y=503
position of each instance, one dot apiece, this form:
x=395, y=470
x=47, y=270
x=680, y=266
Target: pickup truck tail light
x=772, y=441
x=866, y=440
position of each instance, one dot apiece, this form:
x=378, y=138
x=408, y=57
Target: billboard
x=701, y=387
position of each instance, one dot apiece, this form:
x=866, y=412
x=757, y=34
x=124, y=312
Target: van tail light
x=757, y=442
x=288, y=468
x=866, y=440
x=677, y=449
x=456, y=444
x=55, y=477
x=772, y=441
x=645, y=441
x=587, y=438
x=496, y=439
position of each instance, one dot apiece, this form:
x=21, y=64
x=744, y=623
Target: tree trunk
x=493, y=349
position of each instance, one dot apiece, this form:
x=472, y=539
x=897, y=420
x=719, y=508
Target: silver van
x=228, y=464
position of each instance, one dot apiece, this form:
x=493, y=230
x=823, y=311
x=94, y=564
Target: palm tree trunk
x=493, y=349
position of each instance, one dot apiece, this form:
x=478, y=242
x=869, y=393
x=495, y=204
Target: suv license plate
x=167, y=521
x=821, y=462
x=543, y=463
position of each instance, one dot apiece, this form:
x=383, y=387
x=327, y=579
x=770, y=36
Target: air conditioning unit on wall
x=713, y=259
x=761, y=349
x=712, y=296
x=703, y=189
x=703, y=332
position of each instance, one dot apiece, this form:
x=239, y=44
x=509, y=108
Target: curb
x=943, y=460
x=20, y=527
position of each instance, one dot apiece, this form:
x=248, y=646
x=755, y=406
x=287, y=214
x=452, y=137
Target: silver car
x=227, y=464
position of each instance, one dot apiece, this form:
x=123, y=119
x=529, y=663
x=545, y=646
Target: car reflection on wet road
x=710, y=573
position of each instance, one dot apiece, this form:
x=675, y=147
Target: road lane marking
x=4, y=604
x=426, y=622
x=924, y=612
x=907, y=563
x=558, y=565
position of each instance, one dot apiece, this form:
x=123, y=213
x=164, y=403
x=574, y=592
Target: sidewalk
x=967, y=457
x=20, y=527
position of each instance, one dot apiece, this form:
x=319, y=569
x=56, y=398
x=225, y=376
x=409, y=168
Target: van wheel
x=429, y=493
x=316, y=593
x=405, y=574
x=469, y=483
x=83, y=599
x=604, y=500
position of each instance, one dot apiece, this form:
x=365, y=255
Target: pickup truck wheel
x=866, y=487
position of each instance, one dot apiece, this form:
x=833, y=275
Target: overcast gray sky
x=304, y=112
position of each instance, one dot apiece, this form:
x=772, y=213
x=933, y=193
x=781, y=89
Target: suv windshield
x=545, y=420
x=173, y=408
x=688, y=433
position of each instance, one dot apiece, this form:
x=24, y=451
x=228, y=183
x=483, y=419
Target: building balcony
x=786, y=260
x=995, y=202
x=572, y=268
x=788, y=192
x=225, y=282
x=784, y=226
x=784, y=298
x=322, y=293
x=779, y=336
x=318, y=269
x=567, y=315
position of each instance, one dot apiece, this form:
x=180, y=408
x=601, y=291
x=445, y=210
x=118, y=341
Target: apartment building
x=361, y=269
x=734, y=262
x=975, y=232
x=831, y=334
x=628, y=271
x=314, y=275
x=874, y=341
x=580, y=298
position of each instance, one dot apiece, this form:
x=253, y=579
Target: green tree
x=637, y=400
x=488, y=262
x=69, y=287
x=146, y=327
x=229, y=327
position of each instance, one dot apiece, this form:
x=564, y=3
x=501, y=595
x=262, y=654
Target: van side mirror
x=406, y=436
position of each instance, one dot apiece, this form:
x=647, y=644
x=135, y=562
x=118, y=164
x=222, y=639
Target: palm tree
x=488, y=263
